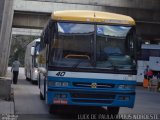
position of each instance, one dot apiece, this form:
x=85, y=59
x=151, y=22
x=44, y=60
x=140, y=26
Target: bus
x=149, y=56
x=88, y=58
x=31, y=60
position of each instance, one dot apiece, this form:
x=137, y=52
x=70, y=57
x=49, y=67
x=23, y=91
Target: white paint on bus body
x=94, y=75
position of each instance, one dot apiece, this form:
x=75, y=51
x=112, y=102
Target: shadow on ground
x=81, y=113
x=71, y=113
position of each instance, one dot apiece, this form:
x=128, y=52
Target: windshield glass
x=37, y=46
x=93, y=46
x=73, y=45
x=113, y=47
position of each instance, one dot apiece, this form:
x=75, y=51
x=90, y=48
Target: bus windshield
x=92, y=46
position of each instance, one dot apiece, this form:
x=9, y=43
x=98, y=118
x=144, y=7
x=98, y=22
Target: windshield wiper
x=115, y=54
x=113, y=65
x=78, y=63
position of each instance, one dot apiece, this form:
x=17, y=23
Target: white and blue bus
x=149, y=56
x=88, y=58
x=31, y=60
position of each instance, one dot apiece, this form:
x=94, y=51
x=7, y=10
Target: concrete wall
x=30, y=20
x=48, y=7
x=138, y=4
x=5, y=34
x=137, y=14
x=29, y=32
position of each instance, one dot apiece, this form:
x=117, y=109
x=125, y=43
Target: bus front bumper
x=90, y=98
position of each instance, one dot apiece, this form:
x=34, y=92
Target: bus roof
x=150, y=46
x=37, y=40
x=92, y=16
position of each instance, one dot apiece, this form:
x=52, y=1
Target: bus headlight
x=64, y=84
x=58, y=84
x=36, y=71
x=126, y=86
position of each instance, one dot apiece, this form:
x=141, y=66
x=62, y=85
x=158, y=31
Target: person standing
x=158, y=75
x=150, y=74
x=15, y=70
x=146, y=71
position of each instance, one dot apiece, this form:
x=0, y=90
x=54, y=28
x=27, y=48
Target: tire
x=53, y=109
x=41, y=96
x=26, y=76
x=38, y=80
x=113, y=110
x=30, y=79
x=44, y=89
x=34, y=82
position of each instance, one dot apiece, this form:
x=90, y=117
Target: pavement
x=7, y=107
x=146, y=102
x=27, y=100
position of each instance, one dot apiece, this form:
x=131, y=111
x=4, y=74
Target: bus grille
x=94, y=96
x=93, y=101
x=89, y=85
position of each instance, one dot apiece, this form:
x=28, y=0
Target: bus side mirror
x=139, y=43
x=49, y=32
x=46, y=40
x=32, y=50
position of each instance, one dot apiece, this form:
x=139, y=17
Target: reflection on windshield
x=111, y=47
x=113, y=31
x=75, y=28
x=74, y=47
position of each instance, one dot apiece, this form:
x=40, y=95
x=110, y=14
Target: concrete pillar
x=1, y=12
x=6, y=17
x=5, y=88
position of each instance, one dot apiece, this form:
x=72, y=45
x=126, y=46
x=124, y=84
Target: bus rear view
x=88, y=58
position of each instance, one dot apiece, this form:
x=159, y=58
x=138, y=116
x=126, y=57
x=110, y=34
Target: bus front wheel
x=54, y=109
x=41, y=96
x=113, y=110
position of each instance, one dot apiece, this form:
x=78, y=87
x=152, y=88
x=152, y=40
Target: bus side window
x=49, y=32
x=45, y=37
x=42, y=44
x=130, y=43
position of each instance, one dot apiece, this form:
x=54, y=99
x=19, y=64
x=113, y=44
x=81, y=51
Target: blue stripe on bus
x=68, y=79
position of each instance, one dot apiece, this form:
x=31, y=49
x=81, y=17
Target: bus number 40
x=60, y=74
